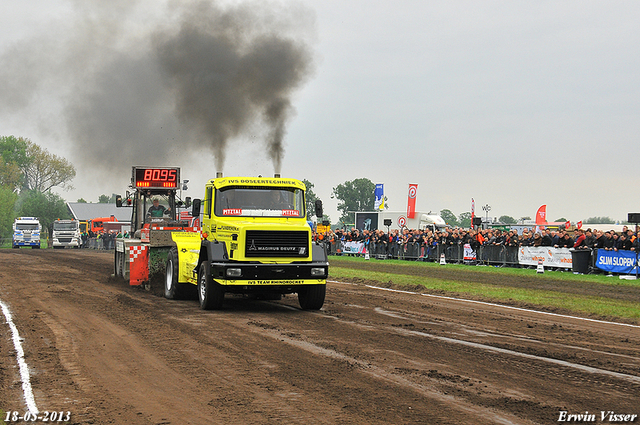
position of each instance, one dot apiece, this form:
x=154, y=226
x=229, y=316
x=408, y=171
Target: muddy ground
x=113, y=354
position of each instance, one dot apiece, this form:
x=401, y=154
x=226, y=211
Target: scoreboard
x=156, y=177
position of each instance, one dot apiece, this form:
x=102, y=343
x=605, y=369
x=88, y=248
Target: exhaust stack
x=276, y=175
x=219, y=174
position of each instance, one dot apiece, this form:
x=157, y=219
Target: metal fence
x=494, y=255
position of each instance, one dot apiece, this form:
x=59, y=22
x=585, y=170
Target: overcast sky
x=513, y=103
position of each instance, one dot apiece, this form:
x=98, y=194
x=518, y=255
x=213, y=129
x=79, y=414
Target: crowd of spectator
x=101, y=240
x=429, y=239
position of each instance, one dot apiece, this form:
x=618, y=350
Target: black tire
x=312, y=297
x=172, y=289
x=210, y=293
x=117, y=266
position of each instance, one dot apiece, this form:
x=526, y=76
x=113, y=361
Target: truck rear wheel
x=172, y=289
x=210, y=293
x=118, y=264
x=312, y=297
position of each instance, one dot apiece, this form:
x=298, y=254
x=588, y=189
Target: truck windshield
x=64, y=226
x=259, y=202
x=26, y=226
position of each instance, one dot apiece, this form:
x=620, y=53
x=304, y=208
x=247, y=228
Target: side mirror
x=187, y=202
x=195, y=207
x=319, y=213
x=118, y=201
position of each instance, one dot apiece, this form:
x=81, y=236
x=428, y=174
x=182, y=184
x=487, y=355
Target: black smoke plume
x=199, y=78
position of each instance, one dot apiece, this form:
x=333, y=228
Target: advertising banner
x=378, y=203
x=469, y=254
x=411, y=205
x=551, y=257
x=322, y=229
x=353, y=248
x=366, y=221
x=616, y=261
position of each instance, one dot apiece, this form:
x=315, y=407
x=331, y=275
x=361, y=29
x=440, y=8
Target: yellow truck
x=254, y=240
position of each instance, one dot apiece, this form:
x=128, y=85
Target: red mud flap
x=138, y=265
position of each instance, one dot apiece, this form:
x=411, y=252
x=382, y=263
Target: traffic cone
x=442, y=260
x=540, y=268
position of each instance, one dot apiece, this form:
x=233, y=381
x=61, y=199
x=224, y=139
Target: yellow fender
x=188, y=245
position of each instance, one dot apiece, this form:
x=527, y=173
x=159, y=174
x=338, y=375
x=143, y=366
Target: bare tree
x=44, y=170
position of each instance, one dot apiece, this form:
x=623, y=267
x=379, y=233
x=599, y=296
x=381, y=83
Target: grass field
x=592, y=295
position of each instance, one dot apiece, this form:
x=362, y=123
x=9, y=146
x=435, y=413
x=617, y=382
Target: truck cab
x=96, y=225
x=66, y=233
x=255, y=241
x=26, y=232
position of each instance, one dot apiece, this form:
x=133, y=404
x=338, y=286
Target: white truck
x=398, y=219
x=26, y=232
x=66, y=233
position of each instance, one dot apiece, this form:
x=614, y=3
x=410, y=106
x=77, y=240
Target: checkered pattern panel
x=135, y=251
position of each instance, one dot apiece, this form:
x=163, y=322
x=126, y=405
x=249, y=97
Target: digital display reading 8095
x=157, y=177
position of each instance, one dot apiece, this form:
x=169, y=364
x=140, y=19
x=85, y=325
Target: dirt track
x=111, y=354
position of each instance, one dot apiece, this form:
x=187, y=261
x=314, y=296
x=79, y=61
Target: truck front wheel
x=210, y=293
x=312, y=297
x=172, y=289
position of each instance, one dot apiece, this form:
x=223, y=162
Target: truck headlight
x=234, y=272
x=318, y=271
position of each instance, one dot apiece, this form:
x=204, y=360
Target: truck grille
x=268, y=243
x=64, y=240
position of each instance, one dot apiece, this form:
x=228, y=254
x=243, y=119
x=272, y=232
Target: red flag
x=579, y=225
x=541, y=215
x=567, y=224
x=411, y=205
x=473, y=211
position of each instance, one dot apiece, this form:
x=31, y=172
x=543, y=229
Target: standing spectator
x=580, y=242
x=547, y=240
x=568, y=241
x=608, y=241
x=590, y=239
x=624, y=243
x=537, y=239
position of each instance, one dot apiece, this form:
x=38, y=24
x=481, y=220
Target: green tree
x=13, y=153
x=507, y=219
x=526, y=217
x=10, y=175
x=7, y=203
x=104, y=199
x=310, y=198
x=46, y=206
x=599, y=220
x=40, y=170
x=355, y=195
x=465, y=220
x=81, y=201
x=449, y=218
x=561, y=219
x=14, y=150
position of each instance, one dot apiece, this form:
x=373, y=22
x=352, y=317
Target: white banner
x=353, y=247
x=469, y=254
x=551, y=257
